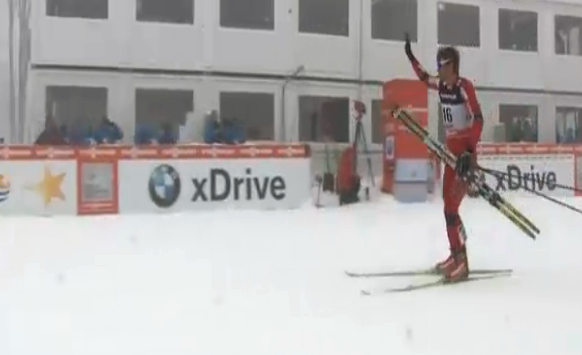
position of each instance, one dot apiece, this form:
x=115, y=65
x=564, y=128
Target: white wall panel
x=121, y=41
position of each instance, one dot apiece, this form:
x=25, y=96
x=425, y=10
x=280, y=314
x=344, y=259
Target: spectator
x=144, y=135
x=65, y=133
x=212, y=130
x=108, y=132
x=79, y=136
x=166, y=135
x=51, y=134
x=233, y=132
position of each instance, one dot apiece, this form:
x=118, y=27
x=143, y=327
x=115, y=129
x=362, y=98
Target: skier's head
x=448, y=61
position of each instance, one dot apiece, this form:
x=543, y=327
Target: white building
x=151, y=60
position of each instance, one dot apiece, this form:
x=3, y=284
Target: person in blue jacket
x=233, y=132
x=167, y=135
x=212, y=129
x=108, y=132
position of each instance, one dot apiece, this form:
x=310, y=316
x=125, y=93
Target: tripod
x=360, y=139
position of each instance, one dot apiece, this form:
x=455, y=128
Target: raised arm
x=431, y=81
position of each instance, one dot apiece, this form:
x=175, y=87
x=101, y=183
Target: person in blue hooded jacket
x=167, y=135
x=212, y=129
x=233, y=132
x=108, y=132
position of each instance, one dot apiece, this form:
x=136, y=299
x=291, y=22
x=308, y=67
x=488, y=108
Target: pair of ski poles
x=485, y=191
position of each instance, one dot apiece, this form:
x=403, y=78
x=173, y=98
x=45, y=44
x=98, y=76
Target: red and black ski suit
x=463, y=122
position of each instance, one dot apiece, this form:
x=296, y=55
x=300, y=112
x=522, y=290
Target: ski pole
x=490, y=195
x=494, y=172
x=540, y=194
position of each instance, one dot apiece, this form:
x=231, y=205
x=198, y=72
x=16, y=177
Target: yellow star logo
x=49, y=187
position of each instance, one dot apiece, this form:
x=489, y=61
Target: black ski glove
x=408, y=48
x=464, y=164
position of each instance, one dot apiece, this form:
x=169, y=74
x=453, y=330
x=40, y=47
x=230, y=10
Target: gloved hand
x=464, y=164
x=408, y=48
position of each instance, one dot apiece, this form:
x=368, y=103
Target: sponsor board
x=181, y=185
x=38, y=187
x=533, y=172
x=37, y=180
x=97, y=187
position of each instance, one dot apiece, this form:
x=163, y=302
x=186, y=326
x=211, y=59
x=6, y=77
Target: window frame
x=508, y=132
x=166, y=22
x=556, y=17
x=48, y=12
x=71, y=119
x=413, y=34
x=310, y=31
x=537, y=43
x=152, y=90
x=243, y=120
x=270, y=25
x=458, y=5
x=325, y=129
x=569, y=108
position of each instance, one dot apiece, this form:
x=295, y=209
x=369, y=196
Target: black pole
x=542, y=195
x=497, y=172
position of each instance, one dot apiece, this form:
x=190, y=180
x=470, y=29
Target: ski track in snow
x=252, y=282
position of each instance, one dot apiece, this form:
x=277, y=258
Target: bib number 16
x=447, y=115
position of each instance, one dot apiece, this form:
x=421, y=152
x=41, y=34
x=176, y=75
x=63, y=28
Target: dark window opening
x=76, y=107
x=518, y=30
x=326, y=17
x=458, y=25
x=568, y=35
x=165, y=11
x=248, y=14
x=89, y=9
x=391, y=19
x=323, y=119
x=160, y=113
x=568, y=124
x=254, y=111
x=521, y=122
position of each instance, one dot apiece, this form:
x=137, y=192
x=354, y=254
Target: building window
x=521, y=122
x=458, y=25
x=254, y=111
x=326, y=17
x=160, y=113
x=90, y=9
x=391, y=19
x=77, y=108
x=323, y=119
x=518, y=30
x=165, y=11
x=568, y=35
x=568, y=124
x=378, y=122
x=248, y=14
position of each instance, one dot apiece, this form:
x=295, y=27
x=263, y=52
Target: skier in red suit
x=463, y=122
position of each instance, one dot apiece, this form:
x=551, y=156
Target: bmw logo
x=164, y=186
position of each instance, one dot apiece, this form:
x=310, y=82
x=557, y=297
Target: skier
x=463, y=122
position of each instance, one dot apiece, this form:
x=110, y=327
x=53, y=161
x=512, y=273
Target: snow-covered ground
x=250, y=282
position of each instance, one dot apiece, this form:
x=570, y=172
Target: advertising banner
x=97, y=187
x=45, y=187
x=181, y=185
x=535, y=172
